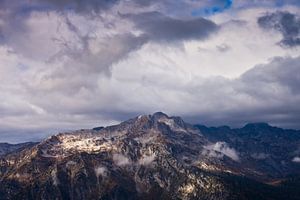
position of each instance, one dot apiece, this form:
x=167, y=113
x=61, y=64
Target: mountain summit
x=152, y=157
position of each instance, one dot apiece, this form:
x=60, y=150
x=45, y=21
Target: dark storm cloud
x=264, y=3
x=281, y=71
x=80, y=6
x=17, y=33
x=1, y=35
x=55, y=76
x=115, y=48
x=159, y=27
x=266, y=93
x=286, y=23
x=145, y=2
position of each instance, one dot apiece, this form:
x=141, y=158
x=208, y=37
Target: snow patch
x=171, y=123
x=207, y=167
x=85, y=142
x=45, y=154
x=88, y=144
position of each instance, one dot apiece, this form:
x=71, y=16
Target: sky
x=73, y=64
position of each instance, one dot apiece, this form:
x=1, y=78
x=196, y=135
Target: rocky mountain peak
x=157, y=121
x=159, y=115
x=162, y=117
x=257, y=125
x=150, y=157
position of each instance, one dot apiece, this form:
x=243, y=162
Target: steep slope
x=148, y=157
x=142, y=158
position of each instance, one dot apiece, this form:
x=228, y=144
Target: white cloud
x=63, y=71
x=219, y=149
x=121, y=160
x=259, y=156
x=54, y=177
x=296, y=159
x=147, y=159
x=100, y=171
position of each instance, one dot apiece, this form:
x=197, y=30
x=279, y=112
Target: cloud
x=161, y=28
x=223, y=47
x=265, y=93
x=268, y=92
x=280, y=72
x=62, y=67
x=296, y=159
x=147, y=159
x=265, y=4
x=100, y=171
x=82, y=7
x=121, y=160
x=286, y=23
x=55, y=179
x=217, y=7
x=219, y=149
x=97, y=58
x=259, y=156
x=182, y=8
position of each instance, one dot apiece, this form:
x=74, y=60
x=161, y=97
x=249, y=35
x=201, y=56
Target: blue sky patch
x=218, y=8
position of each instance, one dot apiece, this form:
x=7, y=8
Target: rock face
x=151, y=157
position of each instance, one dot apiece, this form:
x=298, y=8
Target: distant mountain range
x=6, y=148
x=155, y=157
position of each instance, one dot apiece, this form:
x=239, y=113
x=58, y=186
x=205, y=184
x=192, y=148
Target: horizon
x=90, y=128
x=69, y=65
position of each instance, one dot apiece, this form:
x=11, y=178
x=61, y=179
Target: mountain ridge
x=154, y=157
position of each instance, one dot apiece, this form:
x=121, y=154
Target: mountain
x=267, y=153
x=157, y=157
x=6, y=148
